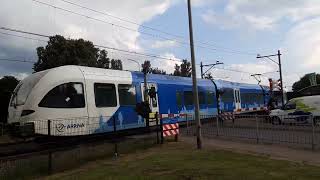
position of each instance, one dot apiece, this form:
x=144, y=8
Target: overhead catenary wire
x=23, y=32
x=17, y=60
x=103, y=21
x=101, y=46
x=121, y=19
x=104, y=47
x=207, y=47
x=152, y=28
x=25, y=37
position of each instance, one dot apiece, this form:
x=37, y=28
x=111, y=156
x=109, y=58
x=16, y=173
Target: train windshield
x=24, y=88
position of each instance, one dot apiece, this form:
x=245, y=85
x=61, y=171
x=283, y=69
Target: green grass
x=181, y=161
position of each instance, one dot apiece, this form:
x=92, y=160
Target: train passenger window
x=202, y=99
x=210, y=97
x=127, y=94
x=188, y=98
x=227, y=95
x=179, y=99
x=68, y=95
x=105, y=95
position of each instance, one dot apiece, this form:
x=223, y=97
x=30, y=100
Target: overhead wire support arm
x=280, y=68
x=206, y=65
x=257, y=77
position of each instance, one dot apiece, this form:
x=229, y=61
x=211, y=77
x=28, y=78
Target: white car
x=298, y=110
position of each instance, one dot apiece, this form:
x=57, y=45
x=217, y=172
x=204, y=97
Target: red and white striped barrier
x=170, y=129
x=227, y=116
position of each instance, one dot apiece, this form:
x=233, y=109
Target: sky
x=229, y=31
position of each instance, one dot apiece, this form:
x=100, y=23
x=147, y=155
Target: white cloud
x=167, y=65
x=201, y=3
x=301, y=49
x=164, y=44
x=303, y=44
x=47, y=20
x=262, y=14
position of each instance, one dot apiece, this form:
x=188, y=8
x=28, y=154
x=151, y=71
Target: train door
x=237, y=99
x=154, y=102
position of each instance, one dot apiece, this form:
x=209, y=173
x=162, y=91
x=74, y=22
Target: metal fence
x=2, y=129
x=73, y=126
x=297, y=130
x=37, y=165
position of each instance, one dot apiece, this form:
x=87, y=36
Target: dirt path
x=273, y=151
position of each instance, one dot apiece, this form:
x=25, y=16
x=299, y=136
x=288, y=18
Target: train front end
x=19, y=112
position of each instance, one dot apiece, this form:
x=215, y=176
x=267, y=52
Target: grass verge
x=181, y=161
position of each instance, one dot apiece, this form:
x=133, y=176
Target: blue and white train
x=82, y=100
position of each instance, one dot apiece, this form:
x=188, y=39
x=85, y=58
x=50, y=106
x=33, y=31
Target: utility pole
x=201, y=69
x=280, y=70
x=194, y=80
x=212, y=65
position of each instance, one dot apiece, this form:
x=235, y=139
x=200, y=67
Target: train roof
x=221, y=84
x=97, y=73
x=168, y=79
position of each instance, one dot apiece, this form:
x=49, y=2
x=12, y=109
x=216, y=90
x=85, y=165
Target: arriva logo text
x=61, y=127
x=69, y=126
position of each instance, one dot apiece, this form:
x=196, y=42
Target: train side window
x=68, y=95
x=127, y=94
x=179, y=98
x=188, y=98
x=202, y=99
x=228, y=96
x=210, y=97
x=105, y=95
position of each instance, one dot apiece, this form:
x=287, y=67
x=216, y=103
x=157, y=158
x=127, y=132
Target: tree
x=146, y=67
x=7, y=85
x=103, y=61
x=304, y=82
x=183, y=70
x=116, y=64
x=158, y=71
x=60, y=51
x=177, y=71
